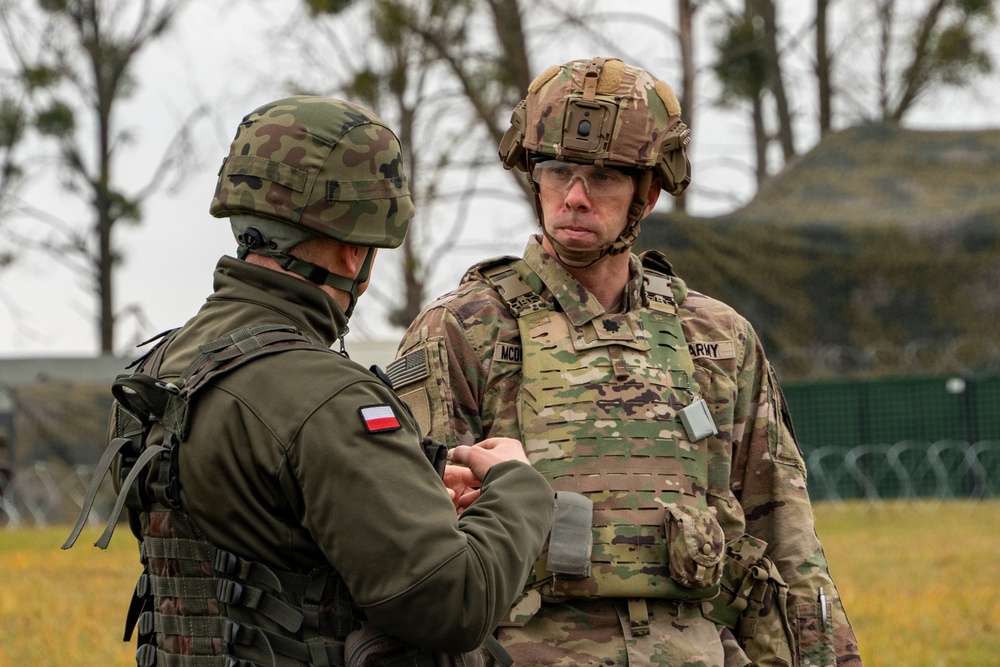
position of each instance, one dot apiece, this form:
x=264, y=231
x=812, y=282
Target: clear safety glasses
x=597, y=181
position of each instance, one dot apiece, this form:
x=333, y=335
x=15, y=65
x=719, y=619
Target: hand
x=482, y=456
x=463, y=486
x=463, y=480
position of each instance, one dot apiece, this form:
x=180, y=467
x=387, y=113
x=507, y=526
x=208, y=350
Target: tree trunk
x=510, y=34
x=686, y=95
x=765, y=10
x=411, y=266
x=761, y=140
x=823, y=84
x=91, y=44
x=886, y=13
x=916, y=74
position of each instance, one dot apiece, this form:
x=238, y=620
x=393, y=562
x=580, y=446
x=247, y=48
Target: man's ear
x=351, y=258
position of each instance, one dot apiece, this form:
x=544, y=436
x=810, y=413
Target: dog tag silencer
x=697, y=421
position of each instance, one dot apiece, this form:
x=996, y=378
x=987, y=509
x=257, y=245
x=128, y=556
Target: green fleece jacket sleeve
x=382, y=516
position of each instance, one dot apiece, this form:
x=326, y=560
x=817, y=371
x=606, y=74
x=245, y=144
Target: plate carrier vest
x=603, y=410
x=599, y=413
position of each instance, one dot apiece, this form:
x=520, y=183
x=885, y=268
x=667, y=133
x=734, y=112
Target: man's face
x=583, y=207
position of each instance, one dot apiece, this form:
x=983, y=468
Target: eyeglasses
x=597, y=181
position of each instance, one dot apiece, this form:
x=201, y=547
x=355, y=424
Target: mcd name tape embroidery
x=379, y=418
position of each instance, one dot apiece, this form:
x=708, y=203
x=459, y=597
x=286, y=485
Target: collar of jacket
x=579, y=304
x=315, y=313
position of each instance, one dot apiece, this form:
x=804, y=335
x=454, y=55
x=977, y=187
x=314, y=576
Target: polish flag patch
x=379, y=418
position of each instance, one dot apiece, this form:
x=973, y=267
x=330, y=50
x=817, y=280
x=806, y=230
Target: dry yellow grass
x=65, y=607
x=921, y=582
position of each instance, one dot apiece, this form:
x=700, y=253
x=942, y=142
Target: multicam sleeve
x=446, y=372
x=422, y=376
x=769, y=477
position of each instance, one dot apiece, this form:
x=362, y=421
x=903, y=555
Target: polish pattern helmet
x=322, y=165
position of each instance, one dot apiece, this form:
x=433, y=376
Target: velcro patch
x=723, y=349
x=408, y=369
x=507, y=353
x=379, y=418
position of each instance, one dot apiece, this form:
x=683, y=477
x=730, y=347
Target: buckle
x=233, y=633
x=142, y=586
x=146, y=625
x=146, y=655
x=224, y=561
x=228, y=591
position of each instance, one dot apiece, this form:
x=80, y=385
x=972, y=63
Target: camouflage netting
x=878, y=235
x=60, y=420
x=59, y=433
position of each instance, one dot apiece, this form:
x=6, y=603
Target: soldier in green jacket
x=683, y=533
x=281, y=496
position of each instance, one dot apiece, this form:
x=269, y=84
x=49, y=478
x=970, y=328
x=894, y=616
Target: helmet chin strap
x=580, y=259
x=252, y=240
x=320, y=276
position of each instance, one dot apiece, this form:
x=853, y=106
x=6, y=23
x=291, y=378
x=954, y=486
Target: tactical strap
x=638, y=617
x=501, y=658
x=571, y=537
x=234, y=593
x=100, y=472
x=319, y=607
x=746, y=575
x=206, y=628
x=309, y=586
x=508, y=281
x=229, y=352
x=315, y=652
x=140, y=464
x=149, y=656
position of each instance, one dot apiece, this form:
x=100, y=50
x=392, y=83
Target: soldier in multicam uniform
x=286, y=511
x=683, y=533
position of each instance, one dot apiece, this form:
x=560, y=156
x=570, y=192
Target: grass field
x=921, y=583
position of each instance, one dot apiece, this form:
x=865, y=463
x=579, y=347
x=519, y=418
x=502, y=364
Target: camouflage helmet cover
x=601, y=111
x=324, y=165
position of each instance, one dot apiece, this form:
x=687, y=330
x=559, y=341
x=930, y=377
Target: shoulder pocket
x=783, y=445
x=419, y=379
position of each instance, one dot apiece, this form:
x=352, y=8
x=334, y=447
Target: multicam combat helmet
x=303, y=167
x=606, y=113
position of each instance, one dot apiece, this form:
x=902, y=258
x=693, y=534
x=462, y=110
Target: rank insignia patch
x=379, y=418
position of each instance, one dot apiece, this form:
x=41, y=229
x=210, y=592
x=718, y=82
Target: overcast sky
x=226, y=59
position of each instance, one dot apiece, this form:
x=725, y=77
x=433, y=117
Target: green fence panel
x=899, y=437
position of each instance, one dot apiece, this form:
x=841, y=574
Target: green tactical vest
x=196, y=605
x=600, y=412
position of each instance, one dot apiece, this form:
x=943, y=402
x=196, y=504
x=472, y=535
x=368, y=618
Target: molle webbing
x=197, y=604
x=598, y=415
x=511, y=283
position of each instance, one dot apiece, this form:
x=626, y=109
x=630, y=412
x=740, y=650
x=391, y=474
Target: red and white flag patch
x=379, y=418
